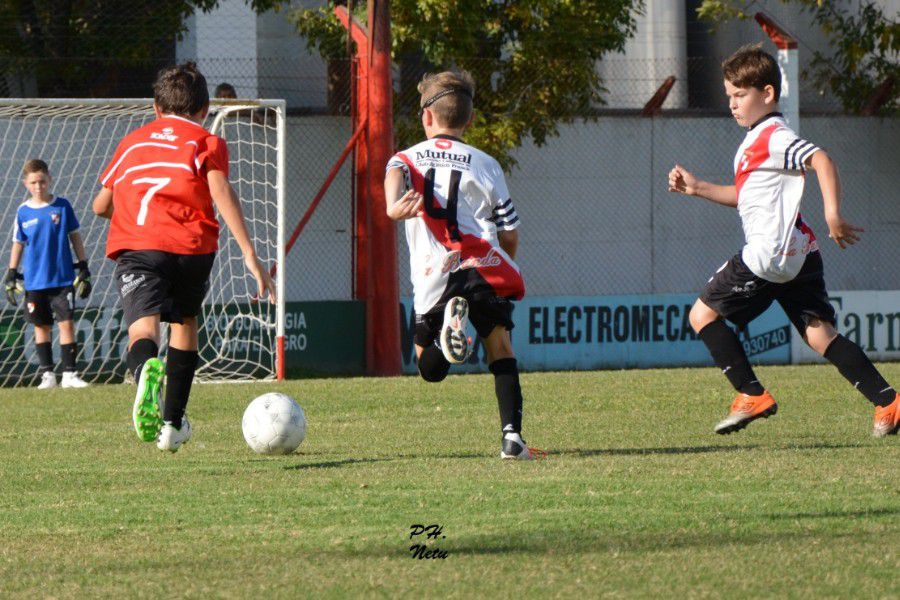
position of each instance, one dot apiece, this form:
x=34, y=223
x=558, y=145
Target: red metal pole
x=383, y=315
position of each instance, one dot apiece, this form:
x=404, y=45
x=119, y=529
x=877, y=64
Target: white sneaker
x=454, y=341
x=171, y=439
x=70, y=379
x=48, y=380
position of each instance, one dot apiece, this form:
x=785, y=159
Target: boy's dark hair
x=751, y=66
x=225, y=90
x=35, y=165
x=181, y=90
x=449, y=95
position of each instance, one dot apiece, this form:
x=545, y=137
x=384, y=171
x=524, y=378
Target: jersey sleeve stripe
x=787, y=153
x=504, y=205
x=794, y=163
x=507, y=223
x=196, y=158
x=806, y=154
x=124, y=154
x=153, y=166
x=496, y=218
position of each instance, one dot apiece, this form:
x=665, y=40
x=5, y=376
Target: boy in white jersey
x=461, y=230
x=780, y=260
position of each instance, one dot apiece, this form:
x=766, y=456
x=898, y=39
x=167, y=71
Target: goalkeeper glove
x=13, y=287
x=82, y=283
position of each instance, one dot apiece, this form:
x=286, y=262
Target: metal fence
x=597, y=218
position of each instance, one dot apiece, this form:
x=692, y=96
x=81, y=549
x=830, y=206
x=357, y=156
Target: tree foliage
x=864, y=47
x=93, y=47
x=534, y=61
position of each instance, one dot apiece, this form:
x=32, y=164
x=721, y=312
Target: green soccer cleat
x=146, y=414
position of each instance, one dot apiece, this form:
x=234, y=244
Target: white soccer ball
x=274, y=424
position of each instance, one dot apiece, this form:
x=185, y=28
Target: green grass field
x=637, y=498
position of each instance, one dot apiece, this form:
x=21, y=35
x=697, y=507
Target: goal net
x=240, y=335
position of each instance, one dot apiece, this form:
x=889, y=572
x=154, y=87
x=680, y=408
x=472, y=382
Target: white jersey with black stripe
x=453, y=243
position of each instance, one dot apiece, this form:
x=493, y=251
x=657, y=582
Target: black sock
x=509, y=393
x=69, y=354
x=433, y=366
x=856, y=367
x=728, y=354
x=180, y=367
x=140, y=352
x=45, y=356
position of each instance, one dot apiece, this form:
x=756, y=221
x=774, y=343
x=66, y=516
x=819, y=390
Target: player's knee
x=433, y=367
x=819, y=334
x=498, y=345
x=701, y=316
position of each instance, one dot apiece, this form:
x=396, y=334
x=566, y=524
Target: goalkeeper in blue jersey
x=45, y=226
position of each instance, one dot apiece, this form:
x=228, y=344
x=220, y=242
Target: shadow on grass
x=570, y=452
x=566, y=542
x=580, y=452
x=836, y=514
x=643, y=451
x=331, y=464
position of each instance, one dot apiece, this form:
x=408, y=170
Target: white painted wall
x=597, y=219
x=223, y=42
x=262, y=56
x=596, y=216
x=657, y=50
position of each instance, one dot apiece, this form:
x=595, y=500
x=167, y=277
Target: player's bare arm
x=78, y=245
x=15, y=254
x=229, y=206
x=400, y=205
x=683, y=181
x=843, y=233
x=103, y=203
x=509, y=241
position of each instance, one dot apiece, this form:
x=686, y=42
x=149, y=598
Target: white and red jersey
x=453, y=246
x=161, y=198
x=769, y=173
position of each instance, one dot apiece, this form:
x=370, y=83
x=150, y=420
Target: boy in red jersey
x=159, y=190
x=780, y=259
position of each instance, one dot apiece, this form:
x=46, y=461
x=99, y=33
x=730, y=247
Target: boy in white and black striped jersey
x=461, y=227
x=781, y=259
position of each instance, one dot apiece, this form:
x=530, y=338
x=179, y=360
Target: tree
x=92, y=47
x=863, y=70
x=534, y=61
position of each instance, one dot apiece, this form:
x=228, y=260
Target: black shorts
x=160, y=283
x=485, y=314
x=740, y=296
x=42, y=305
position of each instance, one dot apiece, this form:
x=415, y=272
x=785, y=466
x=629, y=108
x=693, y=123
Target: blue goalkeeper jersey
x=47, y=260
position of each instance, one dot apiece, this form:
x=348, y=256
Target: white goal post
x=241, y=336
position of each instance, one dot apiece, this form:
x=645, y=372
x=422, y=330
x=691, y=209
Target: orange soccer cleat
x=747, y=408
x=887, y=418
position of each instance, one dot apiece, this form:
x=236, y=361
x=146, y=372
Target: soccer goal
x=241, y=336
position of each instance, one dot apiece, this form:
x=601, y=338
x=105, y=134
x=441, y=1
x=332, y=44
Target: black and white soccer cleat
x=515, y=448
x=455, y=343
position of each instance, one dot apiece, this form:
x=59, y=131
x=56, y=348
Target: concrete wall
x=262, y=56
x=320, y=263
x=597, y=219
x=596, y=216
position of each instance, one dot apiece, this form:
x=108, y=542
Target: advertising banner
x=868, y=318
x=613, y=332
